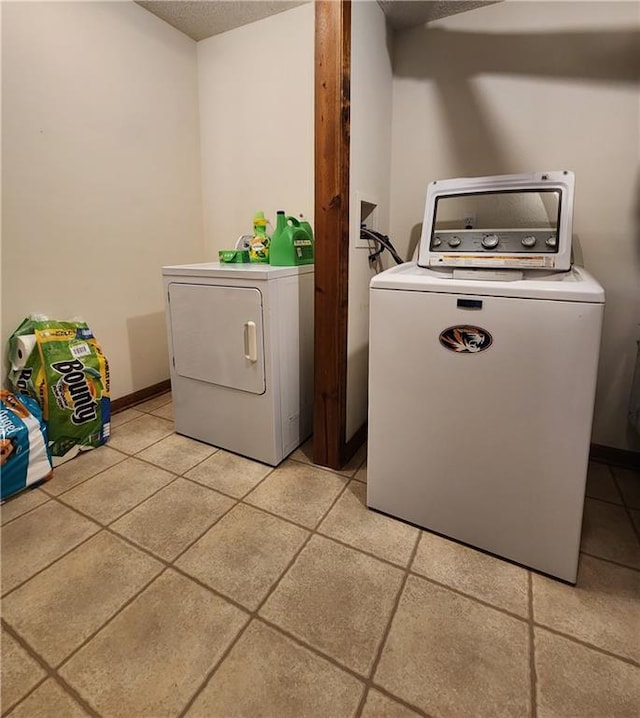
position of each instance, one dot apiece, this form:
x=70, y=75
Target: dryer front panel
x=218, y=336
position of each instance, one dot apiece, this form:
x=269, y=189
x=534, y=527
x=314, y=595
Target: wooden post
x=332, y=127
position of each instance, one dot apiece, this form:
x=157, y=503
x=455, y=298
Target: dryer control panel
x=516, y=221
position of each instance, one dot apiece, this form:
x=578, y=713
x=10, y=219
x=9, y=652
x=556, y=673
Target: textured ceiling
x=204, y=18
x=410, y=13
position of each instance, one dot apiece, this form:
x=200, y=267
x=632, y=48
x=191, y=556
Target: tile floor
x=158, y=576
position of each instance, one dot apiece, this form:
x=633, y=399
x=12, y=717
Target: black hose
x=384, y=243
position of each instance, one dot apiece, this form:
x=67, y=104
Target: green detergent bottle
x=292, y=242
x=260, y=241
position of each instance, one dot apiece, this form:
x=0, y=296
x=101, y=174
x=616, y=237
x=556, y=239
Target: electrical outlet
x=469, y=220
x=368, y=216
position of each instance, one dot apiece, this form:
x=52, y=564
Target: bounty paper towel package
x=61, y=365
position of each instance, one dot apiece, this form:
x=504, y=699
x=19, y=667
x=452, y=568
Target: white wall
x=100, y=173
x=370, y=162
x=521, y=86
x=256, y=113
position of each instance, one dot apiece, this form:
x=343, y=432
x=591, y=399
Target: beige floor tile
x=336, y=599
x=83, y=467
x=267, y=674
x=61, y=607
x=244, y=554
x=599, y=610
x=49, y=700
x=352, y=522
x=232, y=474
x=21, y=503
x=452, y=657
x=355, y=462
x=148, y=661
x=576, y=681
x=174, y=517
x=628, y=481
x=473, y=572
x=155, y=403
x=361, y=473
x=177, y=453
x=20, y=672
x=122, y=417
x=380, y=706
x=118, y=489
x=298, y=492
x=600, y=483
x=141, y=433
x=165, y=412
x=38, y=538
x=607, y=532
x=304, y=453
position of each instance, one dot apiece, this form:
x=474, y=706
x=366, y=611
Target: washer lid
x=576, y=285
x=505, y=221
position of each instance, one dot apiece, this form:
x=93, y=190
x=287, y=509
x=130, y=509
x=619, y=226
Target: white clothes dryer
x=241, y=355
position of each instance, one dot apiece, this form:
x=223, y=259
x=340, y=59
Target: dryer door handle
x=250, y=342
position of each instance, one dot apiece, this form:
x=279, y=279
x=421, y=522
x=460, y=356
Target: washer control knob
x=436, y=242
x=551, y=242
x=490, y=241
x=528, y=241
x=454, y=241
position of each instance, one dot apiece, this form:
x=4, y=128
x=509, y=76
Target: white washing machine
x=482, y=380
x=241, y=349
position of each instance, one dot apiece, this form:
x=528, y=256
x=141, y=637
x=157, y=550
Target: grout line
x=153, y=398
x=385, y=635
x=532, y=650
x=635, y=529
x=402, y=701
x=32, y=654
x=312, y=533
x=28, y=511
x=78, y=697
x=225, y=493
x=611, y=561
x=394, y=610
x=55, y=560
x=342, y=474
x=84, y=481
x=389, y=562
x=192, y=543
x=135, y=453
x=122, y=515
x=313, y=649
x=49, y=671
x=215, y=667
x=604, y=501
x=586, y=644
x=363, y=701
x=470, y=596
x=627, y=508
x=109, y=620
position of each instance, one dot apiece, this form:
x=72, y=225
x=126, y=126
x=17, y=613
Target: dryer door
x=217, y=335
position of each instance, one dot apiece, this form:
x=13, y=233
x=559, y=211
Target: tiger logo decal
x=465, y=339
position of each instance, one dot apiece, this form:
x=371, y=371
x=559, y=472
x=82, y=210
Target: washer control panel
x=539, y=241
x=520, y=221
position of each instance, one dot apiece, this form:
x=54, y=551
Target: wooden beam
x=332, y=120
